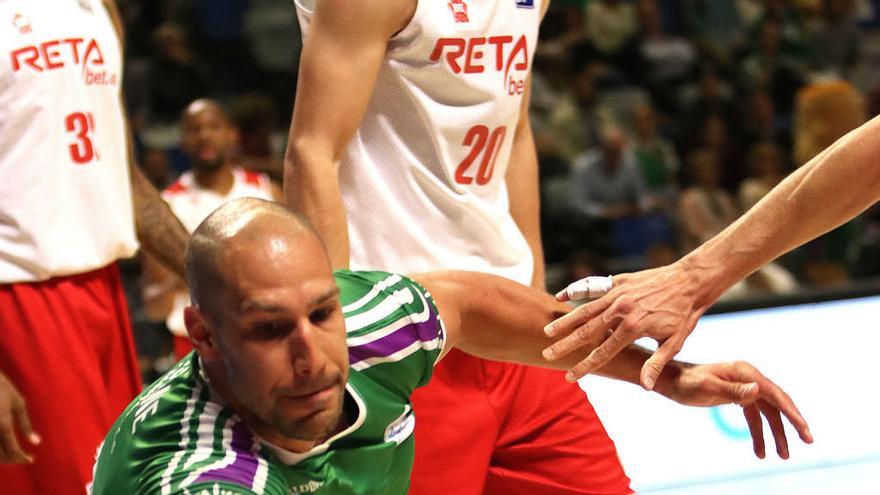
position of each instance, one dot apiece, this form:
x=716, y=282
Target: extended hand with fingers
x=737, y=383
x=659, y=303
x=13, y=415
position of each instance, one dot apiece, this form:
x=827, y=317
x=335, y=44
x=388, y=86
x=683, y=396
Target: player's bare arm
x=340, y=61
x=665, y=303
x=498, y=319
x=523, y=190
x=523, y=187
x=160, y=232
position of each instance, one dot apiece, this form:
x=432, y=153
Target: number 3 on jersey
x=484, y=145
x=81, y=125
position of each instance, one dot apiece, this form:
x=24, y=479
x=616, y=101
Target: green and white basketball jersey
x=177, y=437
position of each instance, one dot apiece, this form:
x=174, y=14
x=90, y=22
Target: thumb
x=562, y=296
x=23, y=422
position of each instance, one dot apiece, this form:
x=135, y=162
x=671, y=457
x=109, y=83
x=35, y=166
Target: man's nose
x=306, y=350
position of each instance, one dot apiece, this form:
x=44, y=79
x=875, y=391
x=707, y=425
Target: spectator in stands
x=610, y=24
x=768, y=66
x=609, y=198
x=837, y=39
x=767, y=168
x=659, y=61
x=716, y=27
x=575, y=121
x=607, y=181
x=657, y=158
x=794, y=42
x=711, y=95
x=208, y=138
x=256, y=119
x=714, y=134
x=705, y=208
x=763, y=123
x=175, y=79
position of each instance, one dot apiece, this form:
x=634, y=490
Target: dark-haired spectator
x=711, y=94
x=610, y=198
x=255, y=118
x=175, y=79
x=715, y=134
x=656, y=156
x=768, y=66
x=659, y=61
x=705, y=208
x=609, y=25
x=607, y=183
x=576, y=120
x=763, y=123
x=837, y=38
x=766, y=169
x=716, y=26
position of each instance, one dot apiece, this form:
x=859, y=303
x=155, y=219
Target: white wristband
x=588, y=288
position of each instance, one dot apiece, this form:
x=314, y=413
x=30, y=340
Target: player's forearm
x=522, y=180
x=831, y=189
x=311, y=187
x=160, y=232
x=493, y=317
x=526, y=211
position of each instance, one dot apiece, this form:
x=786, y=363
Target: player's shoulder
x=250, y=177
x=181, y=186
x=390, y=320
x=362, y=290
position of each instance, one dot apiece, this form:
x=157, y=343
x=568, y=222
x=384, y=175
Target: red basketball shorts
x=496, y=428
x=66, y=345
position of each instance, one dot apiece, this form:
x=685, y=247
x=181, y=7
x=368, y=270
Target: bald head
x=203, y=105
x=208, y=136
x=242, y=230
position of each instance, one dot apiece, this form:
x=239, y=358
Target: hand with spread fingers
x=658, y=303
x=13, y=415
x=737, y=383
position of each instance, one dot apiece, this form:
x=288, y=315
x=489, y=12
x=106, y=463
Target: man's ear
x=200, y=333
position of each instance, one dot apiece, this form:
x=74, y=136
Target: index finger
x=577, y=317
x=777, y=397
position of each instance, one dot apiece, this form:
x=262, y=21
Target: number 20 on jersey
x=484, y=145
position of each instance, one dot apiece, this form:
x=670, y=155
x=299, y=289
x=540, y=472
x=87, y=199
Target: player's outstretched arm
x=665, y=303
x=14, y=421
x=495, y=318
x=706, y=385
x=342, y=53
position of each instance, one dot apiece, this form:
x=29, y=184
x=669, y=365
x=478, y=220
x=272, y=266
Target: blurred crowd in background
x=657, y=122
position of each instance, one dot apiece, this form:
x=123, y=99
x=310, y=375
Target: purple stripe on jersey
x=400, y=339
x=244, y=468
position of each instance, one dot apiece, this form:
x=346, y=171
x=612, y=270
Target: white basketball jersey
x=192, y=203
x=65, y=195
x=423, y=178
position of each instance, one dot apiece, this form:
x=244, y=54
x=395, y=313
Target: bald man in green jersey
x=301, y=378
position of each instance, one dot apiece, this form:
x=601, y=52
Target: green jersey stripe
x=184, y=437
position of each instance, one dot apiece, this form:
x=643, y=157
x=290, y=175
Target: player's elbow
x=308, y=157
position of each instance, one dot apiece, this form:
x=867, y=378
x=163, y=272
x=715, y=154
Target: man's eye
x=320, y=315
x=271, y=329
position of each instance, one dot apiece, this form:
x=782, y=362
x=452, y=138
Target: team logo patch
x=525, y=4
x=459, y=10
x=402, y=427
x=22, y=23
